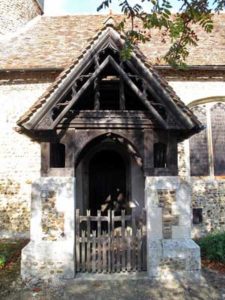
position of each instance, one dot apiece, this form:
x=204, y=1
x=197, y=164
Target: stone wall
x=19, y=159
x=52, y=221
x=208, y=193
x=209, y=196
x=167, y=199
x=50, y=253
x=170, y=250
x=15, y=13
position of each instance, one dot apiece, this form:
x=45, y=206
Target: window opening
x=160, y=155
x=57, y=155
x=197, y=216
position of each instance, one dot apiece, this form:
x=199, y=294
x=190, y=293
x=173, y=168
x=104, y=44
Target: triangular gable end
x=102, y=60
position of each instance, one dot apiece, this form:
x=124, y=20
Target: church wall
x=194, y=90
x=208, y=193
x=15, y=13
x=19, y=159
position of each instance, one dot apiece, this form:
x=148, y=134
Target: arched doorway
x=110, y=220
x=107, y=182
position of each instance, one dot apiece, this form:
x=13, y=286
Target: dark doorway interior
x=107, y=182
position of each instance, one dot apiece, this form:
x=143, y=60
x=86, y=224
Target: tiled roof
x=191, y=121
x=53, y=42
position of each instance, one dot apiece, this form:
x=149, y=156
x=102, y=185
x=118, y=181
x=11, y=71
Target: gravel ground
x=211, y=286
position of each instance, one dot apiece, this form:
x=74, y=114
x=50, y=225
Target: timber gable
x=141, y=92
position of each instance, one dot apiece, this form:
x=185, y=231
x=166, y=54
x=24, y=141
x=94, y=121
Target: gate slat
x=118, y=266
x=128, y=237
x=93, y=256
x=104, y=248
x=113, y=241
x=99, y=240
x=144, y=242
x=139, y=250
x=133, y=242
x=123, y=240
x=83, y=251
x=114, y=250
x=77, y=240
x=88, y=241
x=109, y=243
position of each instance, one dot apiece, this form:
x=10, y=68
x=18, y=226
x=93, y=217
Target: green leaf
x=104, y=4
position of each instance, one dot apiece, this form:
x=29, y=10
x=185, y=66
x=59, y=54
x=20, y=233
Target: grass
x=213, y=247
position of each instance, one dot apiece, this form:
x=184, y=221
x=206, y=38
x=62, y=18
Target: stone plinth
x=171, y=251
x=50, y=253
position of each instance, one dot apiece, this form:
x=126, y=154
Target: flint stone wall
x=20, y=159
x=50, y=253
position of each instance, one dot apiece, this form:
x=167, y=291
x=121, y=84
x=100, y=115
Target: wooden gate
x=110, y=243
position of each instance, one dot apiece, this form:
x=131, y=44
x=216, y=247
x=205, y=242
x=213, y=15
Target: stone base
x=48, y=261
x=169, y=259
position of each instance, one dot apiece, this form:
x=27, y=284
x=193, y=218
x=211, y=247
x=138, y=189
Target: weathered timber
x=97, y=94
x=184, y=119
x=138, y=93
x=122, y=95
x=113, y=249
x=80, y=92
x=81, y=67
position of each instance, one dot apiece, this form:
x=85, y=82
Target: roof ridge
x=110, y=21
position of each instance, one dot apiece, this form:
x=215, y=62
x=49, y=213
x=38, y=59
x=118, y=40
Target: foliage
x=213, y=246
x=9, y=250
x=177, y=27
x=2, y=260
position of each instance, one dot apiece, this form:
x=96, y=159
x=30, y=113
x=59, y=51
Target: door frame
x=84, y=172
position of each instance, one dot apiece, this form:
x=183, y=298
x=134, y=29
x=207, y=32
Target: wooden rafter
x=157, y=90
x=125, y=77
x=140, y=94
x=110, y=38
x=80, y=92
